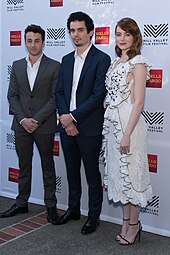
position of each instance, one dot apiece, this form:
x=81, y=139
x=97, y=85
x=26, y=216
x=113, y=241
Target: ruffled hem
x=123, y=160
x=141, y=199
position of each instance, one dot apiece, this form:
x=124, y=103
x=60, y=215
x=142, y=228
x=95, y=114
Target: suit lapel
x=23, y=71
x=88, y=61
x=41, y=70
x=69, y=73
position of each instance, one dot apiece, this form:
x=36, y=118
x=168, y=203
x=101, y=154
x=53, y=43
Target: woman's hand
x=125, y=144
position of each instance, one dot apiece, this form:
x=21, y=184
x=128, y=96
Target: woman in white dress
x=125, y=131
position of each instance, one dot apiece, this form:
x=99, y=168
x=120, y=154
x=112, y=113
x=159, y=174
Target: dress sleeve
x=139, y=59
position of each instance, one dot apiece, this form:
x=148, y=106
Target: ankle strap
x=134, y=224
x=126, y=219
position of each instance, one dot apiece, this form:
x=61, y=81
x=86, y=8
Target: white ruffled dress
x=126, y=176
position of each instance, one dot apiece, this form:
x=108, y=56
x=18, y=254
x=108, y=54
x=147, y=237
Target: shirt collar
x=84, y=54
x=38, y=60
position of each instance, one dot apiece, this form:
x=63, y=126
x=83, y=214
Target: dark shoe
x=15, y=209
x=121, y=236
x=68, y=215
x=52, y=215
x=124, y=241
x=90, y=225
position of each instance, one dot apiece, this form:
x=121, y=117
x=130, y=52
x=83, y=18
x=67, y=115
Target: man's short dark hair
x=81, y=16
x=35, y=29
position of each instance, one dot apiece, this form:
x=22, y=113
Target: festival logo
x=10, y=141
x=58, y=184
x=154, y=120
x=56, y=3
x=155, y=79
x=13, y=174
x=102, y=35
x=155, y=34
x=100, y=2
x=56, y=148
x=152, y=207
x=15, y=38
x=56, y=36
x=9, y=69
x=153, y=163
x=15, y=5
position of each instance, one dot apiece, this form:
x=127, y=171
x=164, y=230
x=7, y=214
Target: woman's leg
x=134, y=225
x=125, y=224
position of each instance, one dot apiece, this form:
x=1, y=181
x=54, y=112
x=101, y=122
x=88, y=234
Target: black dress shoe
x=68, y=215
x=52, y=215
x=15, y=209
x=90, y=225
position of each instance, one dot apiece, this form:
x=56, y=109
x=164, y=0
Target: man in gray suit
x=31, y=96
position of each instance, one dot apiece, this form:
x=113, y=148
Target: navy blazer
x=90, y=92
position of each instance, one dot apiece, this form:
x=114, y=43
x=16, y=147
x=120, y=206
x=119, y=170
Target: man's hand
x=30, y=124
x=71, y=130
x=65, y=120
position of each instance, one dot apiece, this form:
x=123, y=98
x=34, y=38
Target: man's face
x=34, y=43
x=79, y=34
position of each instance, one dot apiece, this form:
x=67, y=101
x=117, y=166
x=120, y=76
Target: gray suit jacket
x=38, y=103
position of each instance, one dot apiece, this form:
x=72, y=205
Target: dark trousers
x=24, y=147
x=87, y=149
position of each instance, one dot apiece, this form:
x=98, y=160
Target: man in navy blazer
x=80, y=92
x=31, y=95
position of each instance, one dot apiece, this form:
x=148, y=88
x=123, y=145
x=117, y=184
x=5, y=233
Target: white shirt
x=32, y=70
x=78, y=65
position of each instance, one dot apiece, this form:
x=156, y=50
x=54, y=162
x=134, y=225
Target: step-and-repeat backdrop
x=154, y=21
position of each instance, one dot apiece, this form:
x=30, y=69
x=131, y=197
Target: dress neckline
x=117, y=63
x=121, y=61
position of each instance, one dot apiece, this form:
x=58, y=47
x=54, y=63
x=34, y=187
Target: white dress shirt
x=78, y=65
x=32, y=70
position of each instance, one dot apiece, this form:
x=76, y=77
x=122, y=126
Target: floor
x=22, y=228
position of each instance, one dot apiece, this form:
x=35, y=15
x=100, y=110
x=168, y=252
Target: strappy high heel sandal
x=138, y=234
x=119, y=236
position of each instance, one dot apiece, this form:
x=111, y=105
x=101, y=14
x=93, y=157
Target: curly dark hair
x=35, y=29
x=81, y=16
x=130, y=26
